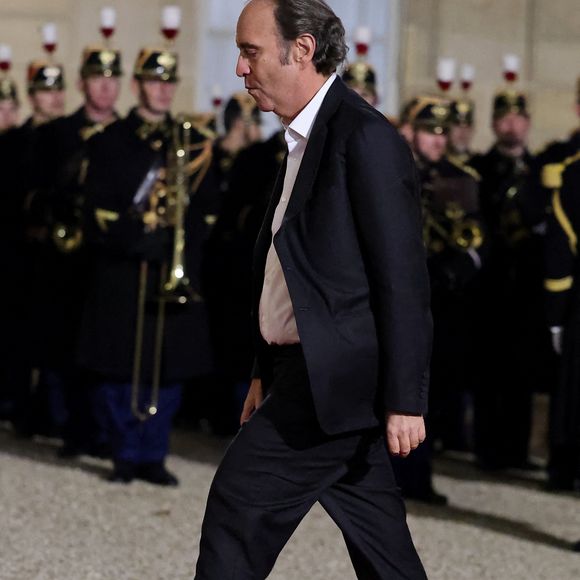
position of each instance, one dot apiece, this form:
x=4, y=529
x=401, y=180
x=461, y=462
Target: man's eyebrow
x=247, y=45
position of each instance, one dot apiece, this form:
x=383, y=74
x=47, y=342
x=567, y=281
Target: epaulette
x=204, y=123
x=552, y=172
x=465, y=168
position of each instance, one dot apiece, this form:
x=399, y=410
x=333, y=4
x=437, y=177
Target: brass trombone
x=168, y=209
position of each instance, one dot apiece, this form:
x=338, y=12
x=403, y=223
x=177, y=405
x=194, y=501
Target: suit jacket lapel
x=314, y=149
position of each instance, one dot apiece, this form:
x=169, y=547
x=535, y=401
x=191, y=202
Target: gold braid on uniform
x=552, y=179
x=464, y=167
x=201, y=164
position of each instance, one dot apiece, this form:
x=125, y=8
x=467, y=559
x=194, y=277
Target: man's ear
x=304, y=48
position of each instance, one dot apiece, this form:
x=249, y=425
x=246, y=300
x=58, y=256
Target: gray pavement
x=61, y=521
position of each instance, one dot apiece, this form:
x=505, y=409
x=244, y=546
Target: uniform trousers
x=279, y=465
x=133, y=440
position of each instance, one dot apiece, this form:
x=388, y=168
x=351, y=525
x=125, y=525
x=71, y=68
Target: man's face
x=48, y=104
x=157, y=96
x=512, y=130
x=269, y=81
x=101, y=93
x=8, y=114
x=430, y=146
x=460, y=137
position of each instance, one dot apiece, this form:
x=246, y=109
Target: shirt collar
x=301, y=126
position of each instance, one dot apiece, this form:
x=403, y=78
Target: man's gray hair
x=315, y=17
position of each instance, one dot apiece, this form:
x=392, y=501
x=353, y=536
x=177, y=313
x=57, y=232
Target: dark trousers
x=279, y=465
x=131, y=439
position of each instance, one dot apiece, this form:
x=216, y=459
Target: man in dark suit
x=341, y=316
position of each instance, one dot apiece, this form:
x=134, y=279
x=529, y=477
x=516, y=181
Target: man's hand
x=253, y=400
x=404, y=433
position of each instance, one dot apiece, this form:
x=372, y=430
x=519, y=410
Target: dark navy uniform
x=62, y=265
x=122, y=160
x=515, y=344
x=562, y=268
x=454, y=238
x=16, y=146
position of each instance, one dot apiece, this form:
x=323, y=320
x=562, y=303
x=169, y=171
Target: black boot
x=123, y=472
x=157, y=474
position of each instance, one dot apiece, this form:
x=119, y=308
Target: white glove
x=557, y=335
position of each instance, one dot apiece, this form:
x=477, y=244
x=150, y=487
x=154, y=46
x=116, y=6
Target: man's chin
x=264, y=106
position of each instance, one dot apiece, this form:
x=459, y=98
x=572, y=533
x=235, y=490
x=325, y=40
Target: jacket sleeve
x=560, y=255
x=112, y=224
x=385, y=198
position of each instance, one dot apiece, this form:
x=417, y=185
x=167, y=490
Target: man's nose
x=242, y=67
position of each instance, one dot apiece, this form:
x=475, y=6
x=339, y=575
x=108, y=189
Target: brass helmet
x=100, y=61
x=156, y=64
x=431, y=114
x=44, y=75
x=510, y=101
x=360, y=74
x=8, y=90
x=462, y=112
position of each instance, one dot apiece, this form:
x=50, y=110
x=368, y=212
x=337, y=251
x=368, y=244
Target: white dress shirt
x=277, y=322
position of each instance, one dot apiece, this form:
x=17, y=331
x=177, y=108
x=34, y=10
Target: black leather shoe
x=157, y=474
x=123, y=472
x=576, y=547
x=429, y=496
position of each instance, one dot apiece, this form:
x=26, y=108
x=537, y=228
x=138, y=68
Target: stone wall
x=544, y=33
x=78, y=26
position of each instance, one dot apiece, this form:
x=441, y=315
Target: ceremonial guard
x=360, y=76
x=63, y=259
x=9, y=103
x=462, y=119
x=538, y=195
x=145, y=331
x=562, y=267
x=454, y=238
x=26, y=231
x=514, y=342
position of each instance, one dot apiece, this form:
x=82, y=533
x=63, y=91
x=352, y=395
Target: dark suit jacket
x=351, y=250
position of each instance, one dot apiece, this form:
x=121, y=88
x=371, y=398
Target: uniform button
x=284, y=199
